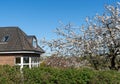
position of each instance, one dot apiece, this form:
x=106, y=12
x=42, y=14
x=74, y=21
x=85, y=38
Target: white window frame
x=30, y=64
x=34, y=43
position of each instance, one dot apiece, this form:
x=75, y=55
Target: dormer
x=5, y=38
x=33, y=41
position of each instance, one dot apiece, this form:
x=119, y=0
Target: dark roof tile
x=18, y=40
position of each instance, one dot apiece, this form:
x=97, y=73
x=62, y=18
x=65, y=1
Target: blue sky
x=41, y=17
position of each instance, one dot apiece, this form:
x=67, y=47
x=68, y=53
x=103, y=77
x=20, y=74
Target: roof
x=16, y=40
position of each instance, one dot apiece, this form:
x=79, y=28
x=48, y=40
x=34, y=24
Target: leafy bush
x=46, y=75
x=10, y=75
x=50, y=75
x=106, y=77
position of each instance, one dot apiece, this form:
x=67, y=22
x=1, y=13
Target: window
x=26, y=60
x=26, y=66
x=34, y=43
x=5, y=39
x=18, y=60
x=33, y=59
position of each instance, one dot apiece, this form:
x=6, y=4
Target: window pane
x=27, y=66
x=34, y=43
x=34, y=65
x=33, y=59
x=5, y=39
x=26, y=60
x=17, y=60
x=38, y=59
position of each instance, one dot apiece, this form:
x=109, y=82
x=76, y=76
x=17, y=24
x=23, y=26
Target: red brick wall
x=7, y=60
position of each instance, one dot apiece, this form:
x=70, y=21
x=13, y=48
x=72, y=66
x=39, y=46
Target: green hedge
x=49, y=75
x=10, y=75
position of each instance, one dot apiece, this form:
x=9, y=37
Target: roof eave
x=20, y=52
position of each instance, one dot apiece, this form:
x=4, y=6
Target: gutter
x=19, y=52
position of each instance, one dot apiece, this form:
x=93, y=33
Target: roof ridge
x=10, y=27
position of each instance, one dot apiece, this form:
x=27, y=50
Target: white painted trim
x=18, y=52
x=29, y=62
x=21, y=63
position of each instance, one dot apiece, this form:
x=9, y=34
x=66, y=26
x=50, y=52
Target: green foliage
x=106, y=77
x=50, y=75
x=46, y=75
x=10, y=75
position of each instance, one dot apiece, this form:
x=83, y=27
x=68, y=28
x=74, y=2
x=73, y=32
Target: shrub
x=9, y=75
x=50, y=75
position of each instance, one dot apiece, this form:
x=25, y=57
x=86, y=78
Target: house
x=18, y=48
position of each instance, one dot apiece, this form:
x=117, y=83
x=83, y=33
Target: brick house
x=17, y=48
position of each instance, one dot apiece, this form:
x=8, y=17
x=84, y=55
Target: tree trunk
x=94, y=62
x=113, y=63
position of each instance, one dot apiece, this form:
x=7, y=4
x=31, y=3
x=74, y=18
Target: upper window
x=34, y=43
x=5, y=39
